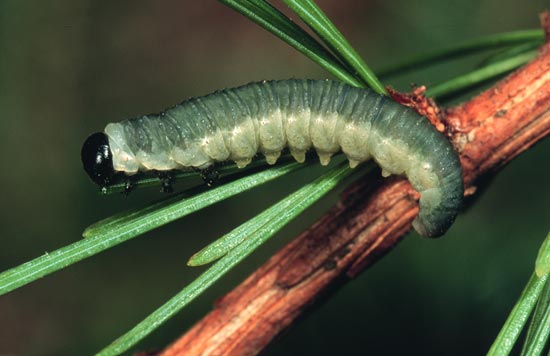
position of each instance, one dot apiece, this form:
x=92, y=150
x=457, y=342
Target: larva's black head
x=97, y=159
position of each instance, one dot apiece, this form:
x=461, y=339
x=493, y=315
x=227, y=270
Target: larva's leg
x=166, y=178
x=210, y=175
x=128, y=185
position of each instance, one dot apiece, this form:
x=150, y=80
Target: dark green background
x=69, y=67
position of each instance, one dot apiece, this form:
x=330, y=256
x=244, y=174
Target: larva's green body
x=266, y=117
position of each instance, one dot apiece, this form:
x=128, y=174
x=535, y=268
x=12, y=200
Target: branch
x=370, y=219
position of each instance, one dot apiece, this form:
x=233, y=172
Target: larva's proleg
x=267, y=117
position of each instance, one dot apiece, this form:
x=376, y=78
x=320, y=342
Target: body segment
x=267, y=117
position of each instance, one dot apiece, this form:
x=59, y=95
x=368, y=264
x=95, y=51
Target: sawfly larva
x=330, y=116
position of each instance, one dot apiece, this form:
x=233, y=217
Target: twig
x=369, y=220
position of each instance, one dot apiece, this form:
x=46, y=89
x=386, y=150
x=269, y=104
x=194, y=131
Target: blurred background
x=67, y=68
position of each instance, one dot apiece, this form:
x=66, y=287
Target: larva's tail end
x=425, y=230
x=435, y=221
x=438, y=208
x=419, y=227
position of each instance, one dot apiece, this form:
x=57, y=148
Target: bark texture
x=370, y=219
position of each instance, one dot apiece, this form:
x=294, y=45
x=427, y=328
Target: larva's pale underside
x=267, y=117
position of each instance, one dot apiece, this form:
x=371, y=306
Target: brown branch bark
x=369, y=220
